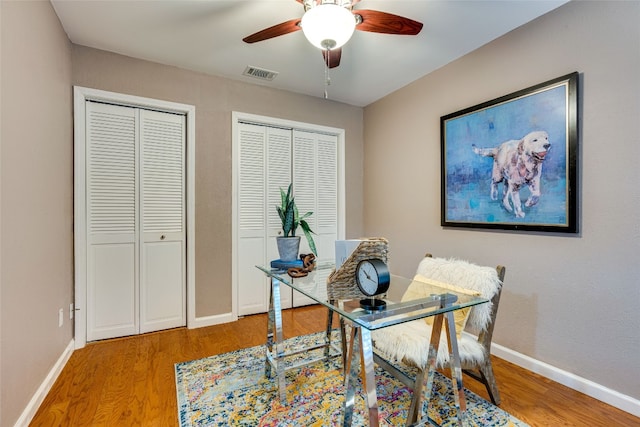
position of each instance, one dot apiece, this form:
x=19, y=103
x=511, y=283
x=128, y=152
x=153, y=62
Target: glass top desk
x=441, y=305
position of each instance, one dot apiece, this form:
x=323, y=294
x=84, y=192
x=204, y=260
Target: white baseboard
x=201, y=322
x=583, y=385
x=35, y=402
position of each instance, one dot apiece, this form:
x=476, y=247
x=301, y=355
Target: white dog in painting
x=517, y=163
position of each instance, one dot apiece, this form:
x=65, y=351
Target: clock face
x=372, y=277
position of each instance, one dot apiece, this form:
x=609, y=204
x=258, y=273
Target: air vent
x=260, y=73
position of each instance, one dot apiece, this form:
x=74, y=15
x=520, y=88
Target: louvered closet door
x=315, y=177
x=264, y=166
x=136, y=277
x=278, y=173
x=252, y=295
x=162, y=213
x=112, y=282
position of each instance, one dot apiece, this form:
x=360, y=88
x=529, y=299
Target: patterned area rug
x=231, y=389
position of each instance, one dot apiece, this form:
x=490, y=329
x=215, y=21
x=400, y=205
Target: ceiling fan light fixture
x=328, y=26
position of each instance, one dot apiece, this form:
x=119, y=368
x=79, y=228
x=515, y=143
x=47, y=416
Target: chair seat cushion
x=409, y=343
x=423, y=287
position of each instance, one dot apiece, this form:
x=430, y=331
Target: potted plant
x=289, y=243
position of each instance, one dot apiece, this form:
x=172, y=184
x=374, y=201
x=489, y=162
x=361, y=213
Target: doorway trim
x=80, y=96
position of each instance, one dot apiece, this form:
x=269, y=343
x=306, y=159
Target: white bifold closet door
x=315, y=178
x=269, y=159
x=264, y=168
x=135, y=220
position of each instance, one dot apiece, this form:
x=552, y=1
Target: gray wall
x=37, y=200
x=569, y=300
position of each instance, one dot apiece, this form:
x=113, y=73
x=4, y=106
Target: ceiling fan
x=328, y=25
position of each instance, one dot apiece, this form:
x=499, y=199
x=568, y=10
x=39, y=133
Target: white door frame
x=236, y=118
x=81, y=95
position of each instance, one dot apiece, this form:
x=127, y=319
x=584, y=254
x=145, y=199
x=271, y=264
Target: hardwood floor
x=130, y=381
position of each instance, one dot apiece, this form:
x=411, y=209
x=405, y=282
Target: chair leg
x=489, y=380
x=486, y=377
x=327, y=350
x=344, y=344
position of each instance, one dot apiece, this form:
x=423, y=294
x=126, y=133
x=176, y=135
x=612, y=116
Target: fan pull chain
x=327, y=78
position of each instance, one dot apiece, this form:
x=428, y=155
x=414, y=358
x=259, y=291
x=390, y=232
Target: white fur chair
x=408, y=343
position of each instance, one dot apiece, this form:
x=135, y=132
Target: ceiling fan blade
x=332, y=57
x=375, y=21
x=275, y=31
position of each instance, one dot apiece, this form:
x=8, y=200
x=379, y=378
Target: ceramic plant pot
x=288, y=247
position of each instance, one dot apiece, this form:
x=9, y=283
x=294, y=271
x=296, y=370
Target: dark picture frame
x=510, y=163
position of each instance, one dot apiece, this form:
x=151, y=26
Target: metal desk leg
x=368, y=375
x=415, y=411
x=456, y=371
x=342, y=330
x=275, y=349
x=350, y=378
x=454, y=364
x=363, y=348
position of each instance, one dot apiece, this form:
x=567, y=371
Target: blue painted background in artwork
x=468, y=176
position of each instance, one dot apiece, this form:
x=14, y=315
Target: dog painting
x=517, y=163
x=511, y=163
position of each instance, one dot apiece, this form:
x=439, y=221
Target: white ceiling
x=206, y=36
